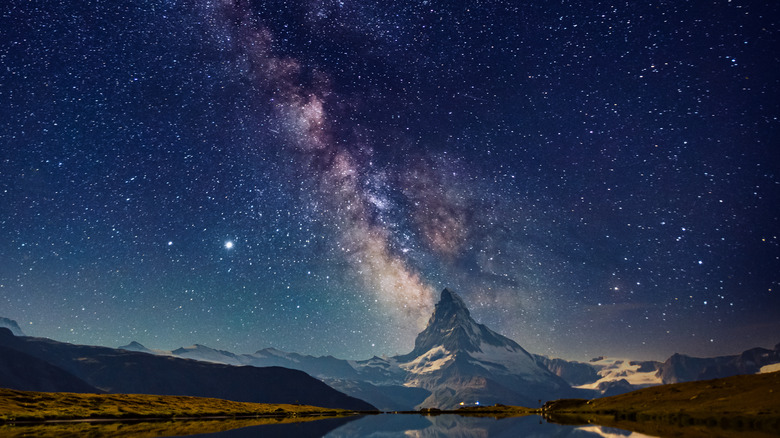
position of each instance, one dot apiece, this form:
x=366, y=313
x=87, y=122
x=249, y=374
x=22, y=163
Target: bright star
x=228, y=244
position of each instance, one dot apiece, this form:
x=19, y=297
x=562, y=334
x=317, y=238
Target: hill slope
x=747, y=401
x=27, y=373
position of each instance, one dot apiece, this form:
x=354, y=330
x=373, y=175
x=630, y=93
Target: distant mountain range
x=58, y=366
x=455, y=361
x=617, y=376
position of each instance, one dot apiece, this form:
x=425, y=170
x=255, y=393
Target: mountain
x=27, y=373
x=455, y=360
x=617, y=376
x=682, y=368
x=206, y=354
x=386, y=397
x=10, y=324
x=574, y=373
x=463, y=362
x=135, y=346
x=123, y=371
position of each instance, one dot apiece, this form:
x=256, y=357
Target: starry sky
x=593, y=178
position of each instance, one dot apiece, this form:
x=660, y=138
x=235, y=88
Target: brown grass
x=18, y=406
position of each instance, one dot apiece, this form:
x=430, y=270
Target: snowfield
x=512, y=360
x=429, y=362
x=613, y=369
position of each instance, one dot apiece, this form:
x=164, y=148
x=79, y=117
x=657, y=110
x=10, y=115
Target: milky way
x=336, y=171
x=592, y=179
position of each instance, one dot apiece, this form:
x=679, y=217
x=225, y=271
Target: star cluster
x=593, y=179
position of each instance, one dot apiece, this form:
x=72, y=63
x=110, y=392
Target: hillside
x=130, y=372
x=739, y=402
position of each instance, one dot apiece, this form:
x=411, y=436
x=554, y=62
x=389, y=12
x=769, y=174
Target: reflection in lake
x=377, y=426
x=385, y=426
x=439, y=426
x=270, y=427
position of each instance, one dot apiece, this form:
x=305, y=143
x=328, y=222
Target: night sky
x=593, y=178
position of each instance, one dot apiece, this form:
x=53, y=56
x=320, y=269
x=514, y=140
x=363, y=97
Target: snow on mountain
x=770, y=368
x=461, y=361
x=451, y=329
x=207, y=354
x=430, y=361
x=635, y=373
x=509, y=359
x=607, y=432
x=380, y=371
x=274, y=353
x=457, y=360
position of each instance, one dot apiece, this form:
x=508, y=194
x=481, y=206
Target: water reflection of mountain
x=373, y=426
x=232, y=428
x=454, y=426
x=313, y=429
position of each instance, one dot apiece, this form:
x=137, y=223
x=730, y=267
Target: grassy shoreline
x=745, y=403
x=29, y=406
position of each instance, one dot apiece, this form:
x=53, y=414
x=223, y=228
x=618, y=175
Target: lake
x=378, y=426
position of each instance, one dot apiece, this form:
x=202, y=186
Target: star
x=370, y=160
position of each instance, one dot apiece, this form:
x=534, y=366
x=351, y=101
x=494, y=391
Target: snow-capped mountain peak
x=452, y=327
x=459, y=360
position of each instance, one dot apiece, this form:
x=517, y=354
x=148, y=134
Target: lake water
x=377, y=426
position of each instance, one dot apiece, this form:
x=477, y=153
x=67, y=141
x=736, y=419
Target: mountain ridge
x=122, y=371
x=463, y=362
x=457, y=360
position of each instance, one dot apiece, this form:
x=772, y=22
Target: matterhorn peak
x=452, y=327
x=452, y=303
x=459, y=359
